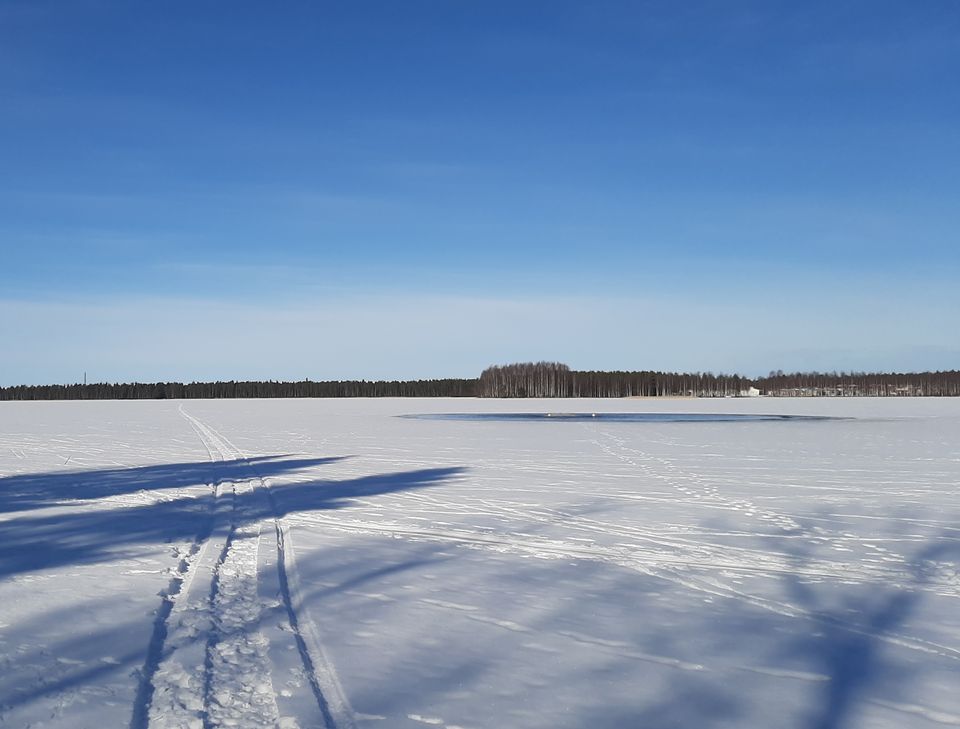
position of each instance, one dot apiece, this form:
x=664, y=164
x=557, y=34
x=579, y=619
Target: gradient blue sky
x=380, y=189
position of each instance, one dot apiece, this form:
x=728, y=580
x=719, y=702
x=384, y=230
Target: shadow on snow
x=40, y=490
x=90, y=533
x=87, y=534
x=843, y=632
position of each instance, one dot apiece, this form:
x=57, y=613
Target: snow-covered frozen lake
x=321, y=563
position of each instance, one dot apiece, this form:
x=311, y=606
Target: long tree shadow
x=855, y=634
x=40, y=490
x=846, y=632
x=852, y=640
x=92, y=533
x=95, y=534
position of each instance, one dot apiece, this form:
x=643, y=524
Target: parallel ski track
x=179, y=585
x=328, y=692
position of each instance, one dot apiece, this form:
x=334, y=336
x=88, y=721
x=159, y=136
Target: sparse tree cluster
x=551, y=379
x=529, y=379
x=657, y=384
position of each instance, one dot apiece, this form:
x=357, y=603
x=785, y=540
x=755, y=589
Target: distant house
x=750, y=392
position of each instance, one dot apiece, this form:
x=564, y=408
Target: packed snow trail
x=234, y=621
x=731, y=576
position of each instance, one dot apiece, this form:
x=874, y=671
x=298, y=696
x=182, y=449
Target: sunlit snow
x=328, y=563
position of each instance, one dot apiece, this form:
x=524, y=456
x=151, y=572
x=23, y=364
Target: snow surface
x=323, y=563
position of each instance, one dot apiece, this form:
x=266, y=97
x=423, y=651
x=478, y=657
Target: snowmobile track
x=229, y=613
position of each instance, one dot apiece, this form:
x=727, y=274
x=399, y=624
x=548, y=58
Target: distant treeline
x=197, y=390
x=864, y=384
x=532, y=379
x=552, y=379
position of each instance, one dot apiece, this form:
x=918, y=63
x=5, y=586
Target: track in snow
x=231, y=646
x=699, y=565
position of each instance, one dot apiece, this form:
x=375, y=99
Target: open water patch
x=618, y=417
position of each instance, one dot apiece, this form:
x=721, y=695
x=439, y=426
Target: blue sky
x=373, y=189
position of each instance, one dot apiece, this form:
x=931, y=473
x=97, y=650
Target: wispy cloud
x=401, y=335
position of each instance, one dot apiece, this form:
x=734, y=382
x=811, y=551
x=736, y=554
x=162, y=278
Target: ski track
x=215, y=668
x=697, y=565
x=234, y=646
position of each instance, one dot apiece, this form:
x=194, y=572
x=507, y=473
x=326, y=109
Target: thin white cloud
x=409, y=336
